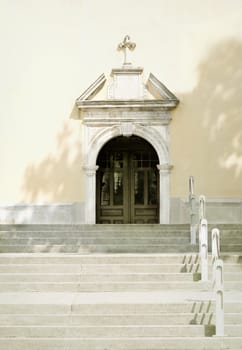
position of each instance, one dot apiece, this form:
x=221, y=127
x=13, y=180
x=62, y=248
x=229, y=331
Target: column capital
x=90, y=170
x=164, y=168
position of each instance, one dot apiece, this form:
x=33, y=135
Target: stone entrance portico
x=131, y=107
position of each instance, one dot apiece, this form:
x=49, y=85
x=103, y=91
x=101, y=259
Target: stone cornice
x=116, y=116
x=130, y=104
x=127, y=70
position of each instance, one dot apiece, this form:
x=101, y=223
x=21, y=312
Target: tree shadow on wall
x=213, y=114
x=57, y=177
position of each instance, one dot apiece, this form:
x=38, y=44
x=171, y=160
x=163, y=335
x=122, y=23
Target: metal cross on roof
x=124, y=46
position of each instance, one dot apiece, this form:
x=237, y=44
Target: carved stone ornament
x=124, y=46
x=127, y=129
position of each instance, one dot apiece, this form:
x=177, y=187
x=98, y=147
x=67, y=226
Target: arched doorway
x=127, y=182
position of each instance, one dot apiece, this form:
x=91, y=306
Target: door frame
x=156, y=140
x=128, y=211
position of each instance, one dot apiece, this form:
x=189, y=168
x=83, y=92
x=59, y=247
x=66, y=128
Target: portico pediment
x=127, y=90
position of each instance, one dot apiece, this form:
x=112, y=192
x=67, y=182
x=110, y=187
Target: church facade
x=125, y=152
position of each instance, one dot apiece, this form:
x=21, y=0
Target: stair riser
x=120, y=259
x=113, y=309
x=121, y=344
x=94, y=287
x=98, y=278
x=107, y=287
x=166, y=271
x=94, y=268
x=58, y=237
x=233, y=330
x=118, y=320
x=94, y=241
x=98, y=227
x=114, y=234
x=102, y=332
x=98, y=249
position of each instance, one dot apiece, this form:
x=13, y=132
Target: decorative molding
x=90, y=170
x=144, y=104
x=127, y=129
x=160, y=91
x=93, y=89
x=102, y=117
x=164, y=168
x=150, y=134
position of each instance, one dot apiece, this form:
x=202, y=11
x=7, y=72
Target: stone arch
x=155, y=139
x=150, y=135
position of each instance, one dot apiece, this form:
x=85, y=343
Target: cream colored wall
x=51, y=51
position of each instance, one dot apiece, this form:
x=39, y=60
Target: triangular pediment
x=158, y=90
x=127, y=87
x=93, y=89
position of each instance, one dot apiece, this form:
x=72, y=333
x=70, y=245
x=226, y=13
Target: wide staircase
x=111, y=287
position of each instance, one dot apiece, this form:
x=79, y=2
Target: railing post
x=202, y=207
x=219, y=297
x=215, y=248
x=203, y=230
x=192, y=202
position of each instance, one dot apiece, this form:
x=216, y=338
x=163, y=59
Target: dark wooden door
x=127, y=182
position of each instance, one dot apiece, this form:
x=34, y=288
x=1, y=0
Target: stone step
x=81, y=287
x=122, y=259
x=97, y=227
x=103, y=268
x=226, y=236
x=126, y=304
x=138, y=343
x=116, y=304
x=98, y=278
x=113, y=319
x=232, y=268
x=109, y=248
x=111, y=233
x=109, y=331
x=232, y=271
x=183, y=259
x=119, y=320
x=231, y=248
x=107, y=277
x=140, y=241
x=233, y=330
x=62, y=287
x=165, y=227
x=114, y=234
x=101, y=248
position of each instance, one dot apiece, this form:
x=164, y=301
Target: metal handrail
x=202, y=207
x=215, y=244
x=192, y=203
x=203, y=248
x=218, y=282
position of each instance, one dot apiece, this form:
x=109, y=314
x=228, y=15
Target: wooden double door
x=127, y=182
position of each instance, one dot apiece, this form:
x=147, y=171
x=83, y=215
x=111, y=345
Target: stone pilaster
x=164, y=170
x=90, y=207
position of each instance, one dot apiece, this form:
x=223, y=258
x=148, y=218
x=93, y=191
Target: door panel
x=127, y=183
